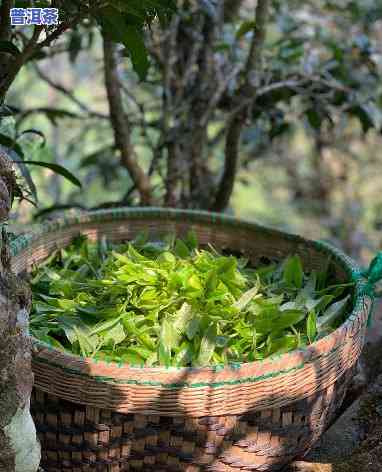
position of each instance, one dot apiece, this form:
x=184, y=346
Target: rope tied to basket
x=373, y=275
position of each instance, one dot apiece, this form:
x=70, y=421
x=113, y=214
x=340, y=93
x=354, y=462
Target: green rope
x=373, y=275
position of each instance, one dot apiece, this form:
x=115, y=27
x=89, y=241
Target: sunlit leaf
x=293, y=273
x=311, y=326
x=245, y=27
x=207, y=346
x=56, y=168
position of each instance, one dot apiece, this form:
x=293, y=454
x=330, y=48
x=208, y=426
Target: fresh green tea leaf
x=293, y=273
x=191, y=240
x=273, y=320
x=183, y=317
x=207, y=346
x=280, y=344
x=333, y=313
x=113, y=336
x=170, y=303
x=247, y=297
x=192, y=328
x=193, y=284
x=311, y=326
x=211, y=282
x=164, y=354
x=185, y=355
x=170, y=336
x=181, y=250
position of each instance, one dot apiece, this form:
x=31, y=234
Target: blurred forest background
x=292, y=140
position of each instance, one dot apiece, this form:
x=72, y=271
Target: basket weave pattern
x=81, y=438
x=257, y=416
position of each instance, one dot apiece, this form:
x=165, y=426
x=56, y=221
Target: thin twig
x=70, y=95
x=61, y=28
x=222, y=87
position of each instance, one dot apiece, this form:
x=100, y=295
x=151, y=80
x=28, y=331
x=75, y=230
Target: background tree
x=223, y=114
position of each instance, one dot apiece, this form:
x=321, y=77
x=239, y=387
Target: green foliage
x=9, y=48
x=172, y=303
x=12, y=143
x=124, y=20
x=245, y=28
x=337, y=74
x=60, y=170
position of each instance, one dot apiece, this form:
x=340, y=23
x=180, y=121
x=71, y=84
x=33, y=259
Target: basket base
x=79, y=438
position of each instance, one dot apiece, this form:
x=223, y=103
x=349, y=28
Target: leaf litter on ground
x=173, y=303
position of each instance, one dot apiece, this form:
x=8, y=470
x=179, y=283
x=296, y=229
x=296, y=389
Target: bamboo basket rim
x=271, y=366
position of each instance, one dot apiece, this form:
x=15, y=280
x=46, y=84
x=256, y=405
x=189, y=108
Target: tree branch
x=216, y=97
x=5, y=20
x=70, y=95
x=297, y=83
x=248, y=89
x=172, y=178
x=121, y=125
x=227, y=181
x=19, y=60
x=168, y=113
x=61, y=28
x=254, y=59
x=31, y=47
x=5, y=35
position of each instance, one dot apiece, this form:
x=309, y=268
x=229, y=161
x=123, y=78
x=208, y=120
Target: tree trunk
x=253, y=70
x=121, y=125
x=19, y=447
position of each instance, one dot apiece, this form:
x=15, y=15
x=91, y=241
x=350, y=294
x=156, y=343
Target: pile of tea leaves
x=172, y=303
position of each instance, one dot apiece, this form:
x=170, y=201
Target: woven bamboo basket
x=96, y=416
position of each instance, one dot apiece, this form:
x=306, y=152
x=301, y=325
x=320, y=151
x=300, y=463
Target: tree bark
x=5, y=20
x=121, y=125
x=172, y=178
x=227, y=181
x=5, y=34
x=231, y=9
x=253, y=70
x=19, y=447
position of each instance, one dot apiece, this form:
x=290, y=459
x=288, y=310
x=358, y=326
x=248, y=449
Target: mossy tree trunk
x=19, y=447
